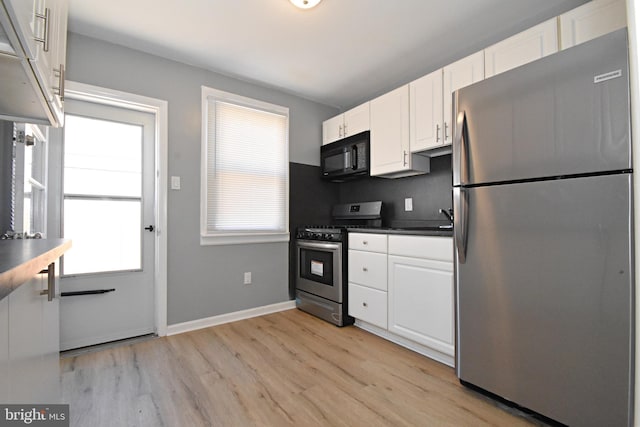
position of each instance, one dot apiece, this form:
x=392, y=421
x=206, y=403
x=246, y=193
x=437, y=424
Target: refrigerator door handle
x=460, y=218
x=460, y=146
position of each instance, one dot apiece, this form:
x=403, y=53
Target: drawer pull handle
x=364, y=304
x=364, y=242
x=365, y=269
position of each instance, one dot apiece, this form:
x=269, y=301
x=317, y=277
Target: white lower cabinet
x=368, y=278
x=29, y=344
x=421, y=301
x=403, y=286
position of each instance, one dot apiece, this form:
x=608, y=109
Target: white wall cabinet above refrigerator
x=522, y=48
x=591, y=20
x=349, y=123
x=32, y=59
x=430, y=118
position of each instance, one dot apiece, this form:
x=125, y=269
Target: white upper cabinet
x=349, y=123
x=591, y=20
x=426, y=128
x=524, y=47
x=28, y=18
x=33, y=85
x=430, y=101
x=390, y=152
x=456, y=76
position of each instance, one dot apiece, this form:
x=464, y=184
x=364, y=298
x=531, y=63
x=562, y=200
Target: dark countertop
x=22, y=259
x=405, y=231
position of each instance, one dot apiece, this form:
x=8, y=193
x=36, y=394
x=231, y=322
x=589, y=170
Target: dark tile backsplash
x=429, y=192
x=311, y=197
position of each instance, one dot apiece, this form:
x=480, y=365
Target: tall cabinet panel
x=524, y=47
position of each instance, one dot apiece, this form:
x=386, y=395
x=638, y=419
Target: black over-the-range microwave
x=346, y=159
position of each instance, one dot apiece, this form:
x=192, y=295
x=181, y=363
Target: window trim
x=237, y=237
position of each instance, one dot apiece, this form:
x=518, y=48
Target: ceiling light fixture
x=305, y=4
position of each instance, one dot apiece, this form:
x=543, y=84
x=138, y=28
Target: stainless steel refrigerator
x=543, y=235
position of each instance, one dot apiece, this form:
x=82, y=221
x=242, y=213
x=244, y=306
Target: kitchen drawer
x=427, y=247
x=368, y=242
x=368, y=269
x=369, y=305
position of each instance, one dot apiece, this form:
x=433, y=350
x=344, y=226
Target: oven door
x=319, y=269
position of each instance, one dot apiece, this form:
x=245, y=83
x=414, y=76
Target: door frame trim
x=160, y=109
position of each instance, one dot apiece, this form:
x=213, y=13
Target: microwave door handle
x=354, y=157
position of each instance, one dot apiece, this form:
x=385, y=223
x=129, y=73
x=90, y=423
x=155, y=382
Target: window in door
x=102, y=195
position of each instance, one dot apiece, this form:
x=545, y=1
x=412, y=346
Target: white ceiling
x=341, y=53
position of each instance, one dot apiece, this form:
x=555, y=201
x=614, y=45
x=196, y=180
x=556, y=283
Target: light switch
x=408, y=204
x=175, y=182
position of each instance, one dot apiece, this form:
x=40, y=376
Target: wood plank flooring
x=283, y=369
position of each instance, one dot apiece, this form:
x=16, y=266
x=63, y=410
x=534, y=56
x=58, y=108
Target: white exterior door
x=108, y=212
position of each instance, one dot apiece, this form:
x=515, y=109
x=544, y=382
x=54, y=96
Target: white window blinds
x=247, y=168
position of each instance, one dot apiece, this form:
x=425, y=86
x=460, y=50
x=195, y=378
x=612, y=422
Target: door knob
x=150, y=228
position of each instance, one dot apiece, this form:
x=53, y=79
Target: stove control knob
x=328, y=236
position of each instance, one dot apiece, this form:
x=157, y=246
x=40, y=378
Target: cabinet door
x=50, y=381
x=369, y=305
x=390, y=132
x=332, y=129
x=456, y=76
x=28, y=27
x=25, y=343
x=356, y=120
x=527, y=46
x=421, y=302
x=425, y=112
x=4, y=350
x=58, y=35
x=591, y=20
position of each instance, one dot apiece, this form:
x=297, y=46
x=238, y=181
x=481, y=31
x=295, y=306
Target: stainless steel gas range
x=321, y=258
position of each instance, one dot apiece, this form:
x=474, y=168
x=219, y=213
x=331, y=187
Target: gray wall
x=203, y=281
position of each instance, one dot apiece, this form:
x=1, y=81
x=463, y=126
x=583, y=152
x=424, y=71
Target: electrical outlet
x=408, y=204
x=247, y=278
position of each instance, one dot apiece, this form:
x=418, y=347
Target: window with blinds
x=245, y=179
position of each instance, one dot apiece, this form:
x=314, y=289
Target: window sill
x=242, y=239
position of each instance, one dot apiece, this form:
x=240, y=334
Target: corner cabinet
x=349, y=123
x=391, y=155
x=32, y=60
x=591, y=20
x=527, y=46
x=421, y=297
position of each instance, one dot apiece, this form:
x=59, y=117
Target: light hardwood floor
x=282, y=369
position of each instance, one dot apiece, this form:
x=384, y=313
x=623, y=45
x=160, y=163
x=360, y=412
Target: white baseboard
x=193, y=325
x=411, y=345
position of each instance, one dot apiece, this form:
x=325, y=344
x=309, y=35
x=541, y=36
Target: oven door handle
x=319, y=245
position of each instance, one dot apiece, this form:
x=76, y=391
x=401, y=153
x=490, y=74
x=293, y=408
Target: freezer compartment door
x=567, y=113
x=544, y=298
